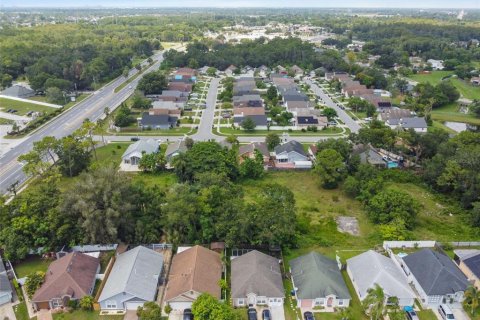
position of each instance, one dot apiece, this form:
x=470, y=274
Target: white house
x=371, y=268
x=436, y=278
x=256, y=280
x=135, y=151
x=132, y=281
x=436, y=64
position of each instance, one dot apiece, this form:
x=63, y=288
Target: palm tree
x=472, y=299
x=374, y=302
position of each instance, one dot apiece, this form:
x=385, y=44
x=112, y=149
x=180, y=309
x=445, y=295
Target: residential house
x=132, y=281
x=435, y=277
x=186, y=74
x=174, y=149
x=194, y=271
x=468, y=260
x=180, y=86
x=291, y=105
x=370, y=156
x=135, y=151
x=312, y=152
x=230, y=71
x=69, y=278
x=318, y=282
x=281, y=70
x=248, y=111
x=394, y=113
x=311, y=121
x=436, y=64
x=155, y=122
x=261, y=121
x=18, y=91
x=174, y=105
x=173, y=95
x=6, y=293
x=297, y=71
x=172, y=112
x=250, y=100
x=475, y=81
x=291, y=155
x=418, y=124
x=248, y=151
x=256, y=280
x=371, y=268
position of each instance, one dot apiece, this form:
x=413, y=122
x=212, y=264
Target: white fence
x=409, y=244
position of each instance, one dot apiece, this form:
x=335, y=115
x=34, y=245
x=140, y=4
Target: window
x=241, y=302
x=111, y=304
x=340, y=302
x=320, y=302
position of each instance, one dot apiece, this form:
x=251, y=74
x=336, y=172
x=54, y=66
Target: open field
x=434, y=77
x=22, y=107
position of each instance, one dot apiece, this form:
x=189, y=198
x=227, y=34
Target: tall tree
x=374, y=303
x=330, y=167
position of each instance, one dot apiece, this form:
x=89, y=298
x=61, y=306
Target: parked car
x=446, y=312
x=252, y=314
x=308, y=316
x=134, y=139
x=411, y=314
x=187, y=314
x=266, y=315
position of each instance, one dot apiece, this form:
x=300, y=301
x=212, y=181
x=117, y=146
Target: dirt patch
x=348, y=225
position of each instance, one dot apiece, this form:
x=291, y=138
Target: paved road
x=352, y=124
x=91, y=108
x=206, y=123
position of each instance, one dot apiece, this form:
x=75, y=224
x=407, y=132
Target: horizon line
x=229, y=7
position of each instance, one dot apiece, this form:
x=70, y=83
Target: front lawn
x=240, y=132
x=5, y=121
x=426, y=315
x=22, y=107
x=30, y=265
x=21, y=312
x=84, y=315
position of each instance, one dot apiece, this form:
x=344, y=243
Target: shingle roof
x=177, y=146
x=260, y=120
x=198, y=269
x=136, y=272
x=251, y=147
x=258, y=273
x=307, y=120
x=290, y=146
x=436, y=272
x=18, y=91
x=473, y=263
x=157, y=120
x=370, y=268
x=413, y=123
x=72, y=275
x=148, y=146
x=317, y=276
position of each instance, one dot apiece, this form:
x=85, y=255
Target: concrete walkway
x=6, y=312
x=12, y=116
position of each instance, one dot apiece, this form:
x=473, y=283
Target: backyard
x=30, y=265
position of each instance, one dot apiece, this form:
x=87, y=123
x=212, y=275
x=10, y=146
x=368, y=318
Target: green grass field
x=21, y=312
x=434, y=77
x=241, y=132
x=450, y=112
x=22, y=107
x=5, y=121
x=84, y=315
x=30, y=265
x=426, y=315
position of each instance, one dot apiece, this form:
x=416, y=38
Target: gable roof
x=196, y=269
x=157, y=120
x=415, y=122
x=18, y=91
x=307, y=120
x=136, y=272
x=370, y=268
x=290, y=146
x=317, y=276
x=148, y=146
x=256, y=272
x=177, y=146
x=436, y=272
x=71, y=275
x=259, y=119
x=251, y=147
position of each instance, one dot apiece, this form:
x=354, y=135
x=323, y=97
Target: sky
x=247, y=3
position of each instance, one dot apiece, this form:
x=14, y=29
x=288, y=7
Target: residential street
x=353, y=125
x=206, y=123
x=91, y=108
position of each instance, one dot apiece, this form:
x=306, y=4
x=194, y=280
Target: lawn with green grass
x=426, y=315
x=241, y=132
x=5, y=121
x=22, y=107
x=439, y=125
x=111, y=153
x=84, y=315
x=30, y=265
x=21, y=312
x=434, y=77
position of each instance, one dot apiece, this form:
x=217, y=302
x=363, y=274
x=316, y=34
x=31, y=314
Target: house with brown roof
x=180, y=86
x=194, y=271
x=69, y=278
x=248, y=151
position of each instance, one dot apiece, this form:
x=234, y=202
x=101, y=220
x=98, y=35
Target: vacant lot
x=22, y=107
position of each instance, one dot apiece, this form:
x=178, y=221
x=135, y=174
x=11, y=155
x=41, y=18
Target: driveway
x=277, y=313
x=44, y=315
x=6, y=312
x=131, y=315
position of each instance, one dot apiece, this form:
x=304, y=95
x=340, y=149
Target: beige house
x=469, y=262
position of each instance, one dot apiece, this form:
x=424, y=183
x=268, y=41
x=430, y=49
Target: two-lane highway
x=91, y=108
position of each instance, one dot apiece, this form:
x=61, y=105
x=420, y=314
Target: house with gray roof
x=6, y=293
x=468, y=260
x=260, y=120
x=416, y=123
x=174, y=149
x=135, y=151
x=18, y=91
x=132, y=281
x=256, y=280
x=157, y=121
x=371, y=268
x=435, y=277
x=290, y=152
x=318, y=282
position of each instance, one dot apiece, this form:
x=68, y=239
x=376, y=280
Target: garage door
x=133, y=305
x=180, y=305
